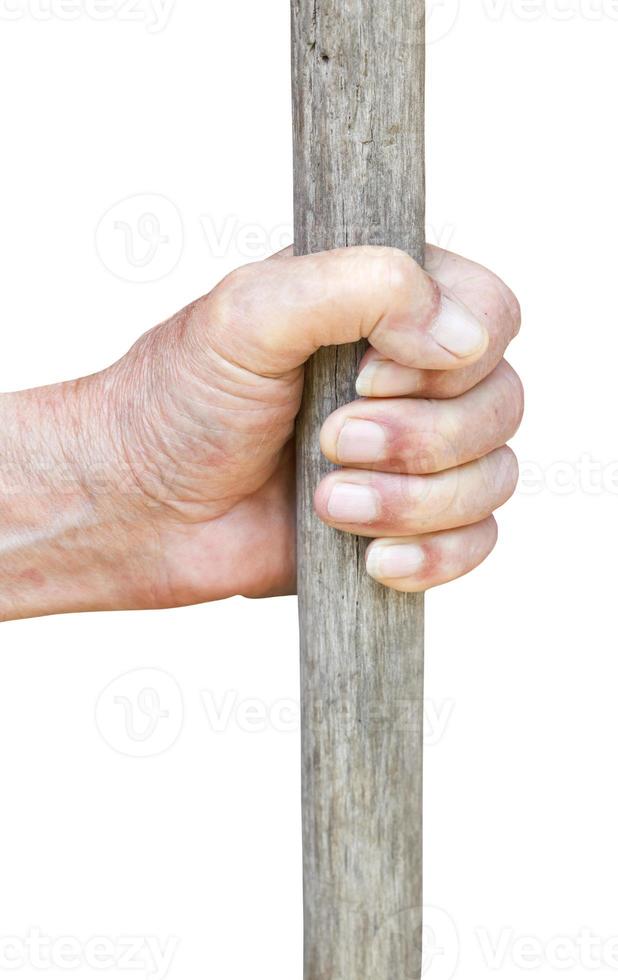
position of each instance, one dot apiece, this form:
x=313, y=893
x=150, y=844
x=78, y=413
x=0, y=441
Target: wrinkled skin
x=167, y=478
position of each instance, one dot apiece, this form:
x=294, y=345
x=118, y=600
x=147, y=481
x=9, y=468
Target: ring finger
x=384, y=504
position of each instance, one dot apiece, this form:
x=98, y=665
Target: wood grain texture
x=358, y=92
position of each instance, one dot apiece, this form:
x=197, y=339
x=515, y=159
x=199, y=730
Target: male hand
x=168, y=478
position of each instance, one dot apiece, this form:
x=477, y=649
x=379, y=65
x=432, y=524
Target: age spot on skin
x=34, y=576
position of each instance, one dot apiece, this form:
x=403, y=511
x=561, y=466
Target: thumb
x=271, y=316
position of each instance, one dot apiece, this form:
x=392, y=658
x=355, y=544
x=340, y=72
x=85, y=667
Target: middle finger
x=418, y=436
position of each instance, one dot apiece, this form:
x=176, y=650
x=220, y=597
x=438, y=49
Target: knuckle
x=230, y=296
x=509, y=465
x=238, y=278
x=501, y=306
x=435, y=449
x=513, y=307
x=508, y=306
x=499, y=473
x=400, y=269
x=492, y=529
x=421, y=500
x=509, y=397
x=518, y=395
x=446, y=384
x=425, y=437
x=434, y=567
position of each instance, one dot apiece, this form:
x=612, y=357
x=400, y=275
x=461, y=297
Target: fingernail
x=457, y=329
x=395, y=560
x=361, y=441
x=350, y=503
x=386, y=379
x=364, y=382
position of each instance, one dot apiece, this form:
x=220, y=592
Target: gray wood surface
x=358, y=91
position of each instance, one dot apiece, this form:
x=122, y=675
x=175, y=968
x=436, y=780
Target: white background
x=197, y=849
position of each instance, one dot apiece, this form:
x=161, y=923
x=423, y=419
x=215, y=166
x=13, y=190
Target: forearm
x=63, y=535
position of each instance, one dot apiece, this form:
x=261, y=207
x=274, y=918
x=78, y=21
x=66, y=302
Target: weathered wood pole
x=358, y=92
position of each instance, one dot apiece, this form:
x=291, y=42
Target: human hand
x=193, y=432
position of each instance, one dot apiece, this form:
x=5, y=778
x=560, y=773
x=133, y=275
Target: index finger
x=492, y=302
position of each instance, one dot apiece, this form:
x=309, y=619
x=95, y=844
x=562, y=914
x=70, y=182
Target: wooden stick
x=358, y=91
